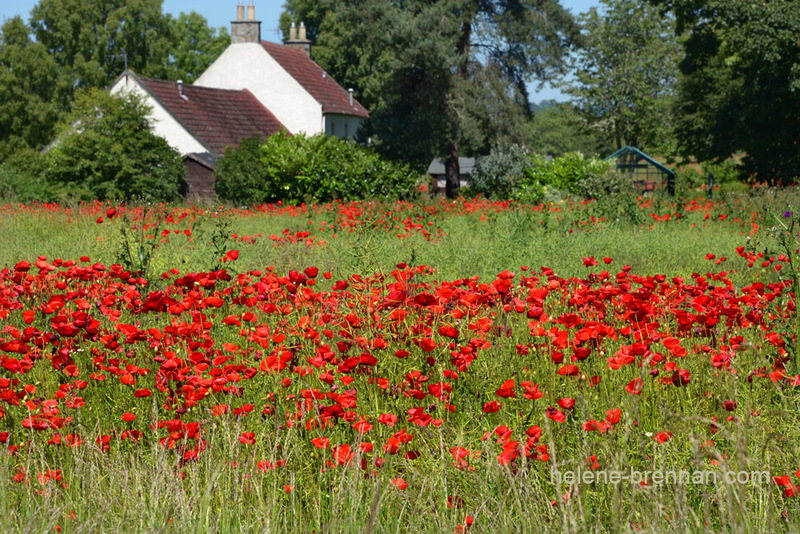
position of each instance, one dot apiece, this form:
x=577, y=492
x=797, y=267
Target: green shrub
x=106, y=150
x=302, y=169
x=565, y=173
x=724, y=172
x=22, y=178
x=502, y=173
x=599, y=186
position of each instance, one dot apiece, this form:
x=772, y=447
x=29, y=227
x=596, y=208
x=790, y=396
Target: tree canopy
x=106, y=150
x=440, y=77
x=739, y=86
x=73, y=44
x=625, y=75
x=32, y=91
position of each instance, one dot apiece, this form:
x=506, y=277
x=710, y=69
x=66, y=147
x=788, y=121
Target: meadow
x=428, y=366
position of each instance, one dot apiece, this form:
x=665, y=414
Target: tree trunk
x=452, y=171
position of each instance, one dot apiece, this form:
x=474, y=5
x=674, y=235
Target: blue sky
x=221, y=12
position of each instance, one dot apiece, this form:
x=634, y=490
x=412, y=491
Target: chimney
x=351, y=96
x=180, y=90
x=245, y=30
x=298, y=39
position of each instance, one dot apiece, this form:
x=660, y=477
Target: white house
x=254, y=88
x=285, y=79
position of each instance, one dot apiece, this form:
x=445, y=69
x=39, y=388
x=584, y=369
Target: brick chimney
x=245, y=30
x=298, y=39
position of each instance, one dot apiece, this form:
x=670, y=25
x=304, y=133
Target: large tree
x=195, y=46
x=625, y=76
x=106, y=150
x=93, y=40
x=446, y=75
x=739, y=89
x=32, y=90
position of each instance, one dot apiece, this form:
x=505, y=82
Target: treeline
x=698, y=81
x=688, y=80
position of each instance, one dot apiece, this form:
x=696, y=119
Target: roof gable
x=324, y=89
x=215, y=117
x=640, y=155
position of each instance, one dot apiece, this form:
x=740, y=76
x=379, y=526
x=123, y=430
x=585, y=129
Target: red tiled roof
x=215, y=117
x=322, y=87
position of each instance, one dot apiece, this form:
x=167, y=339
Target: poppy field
x=456, y=367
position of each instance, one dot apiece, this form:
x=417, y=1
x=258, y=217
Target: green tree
x=31, y=90
x=93, y=40
x=556, y=129
x=626, y=74
x=106, y=150
x=739, y=88
x=447, y=76
x=196, y=46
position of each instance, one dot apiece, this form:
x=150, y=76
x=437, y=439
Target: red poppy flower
x=681, y=377
x=634, y=387
x=399, y=483
x=492, y=407
x=662, y=437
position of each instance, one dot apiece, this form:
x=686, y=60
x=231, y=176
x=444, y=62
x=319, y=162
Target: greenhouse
x=646, y=174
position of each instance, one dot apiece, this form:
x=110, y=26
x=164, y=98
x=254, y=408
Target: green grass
x=146, y=488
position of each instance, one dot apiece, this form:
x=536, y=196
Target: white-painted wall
x=342, y=126
x=249, y=66
x=164, y=124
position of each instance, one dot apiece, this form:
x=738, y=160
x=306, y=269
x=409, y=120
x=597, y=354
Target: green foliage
x=91, y=40
x=625, y=75
x=31, y=90
x=106, y=150
x=22, y=178
x=567, y=172
x=512, y=173
x=501, y=173
x=440, y=78
x=557, y=129
x=240, y=176
x=299, y=169
x=725, y=171
x=196, y=46
x=739, y=89
x=600, y=186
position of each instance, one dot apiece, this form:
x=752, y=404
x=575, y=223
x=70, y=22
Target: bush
x=302, y=169
x=22, y=178
x=600, y=186
x=502, y=173
x=106, y=150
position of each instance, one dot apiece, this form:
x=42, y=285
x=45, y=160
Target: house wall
x=164, y=124
x=249, y=66
x=342, y=126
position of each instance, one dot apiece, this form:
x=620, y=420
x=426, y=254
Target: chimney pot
x=240, y=11
x=251, y=11
x=293, y=32
x=351, y=96
x=302, y=34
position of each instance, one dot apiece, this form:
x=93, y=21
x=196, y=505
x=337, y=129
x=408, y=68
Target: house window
x=346, y=130
x=333, y=127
